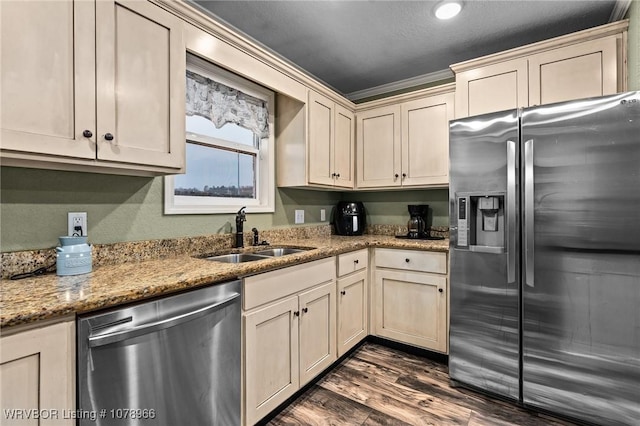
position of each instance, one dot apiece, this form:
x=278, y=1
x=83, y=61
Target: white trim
x=401, y=85
x=265, y=155
x=620, y=10
x=221, y=75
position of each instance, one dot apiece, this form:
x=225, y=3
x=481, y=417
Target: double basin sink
x=258, y=255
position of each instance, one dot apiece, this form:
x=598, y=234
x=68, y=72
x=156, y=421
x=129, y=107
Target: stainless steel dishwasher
x=171, y=361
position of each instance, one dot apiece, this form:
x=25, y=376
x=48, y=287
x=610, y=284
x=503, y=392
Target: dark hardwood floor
x=377, y=385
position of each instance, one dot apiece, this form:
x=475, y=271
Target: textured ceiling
x=354, y=46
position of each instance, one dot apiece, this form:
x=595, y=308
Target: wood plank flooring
x=377, y=385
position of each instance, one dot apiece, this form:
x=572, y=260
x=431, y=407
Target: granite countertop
x=50, y=296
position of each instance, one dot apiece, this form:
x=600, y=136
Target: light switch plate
x=323, y=215
x=299, y=216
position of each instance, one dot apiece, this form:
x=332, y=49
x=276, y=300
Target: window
x=230, y=145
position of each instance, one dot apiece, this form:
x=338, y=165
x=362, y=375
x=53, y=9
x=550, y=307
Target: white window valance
x=223, y=104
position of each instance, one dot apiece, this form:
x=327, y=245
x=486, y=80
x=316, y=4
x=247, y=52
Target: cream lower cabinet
x=37, y=375
x=290, y=333
x=403, y=141
x=92, y=86
x=411, y=297
x=580, y=65
x=353, y=283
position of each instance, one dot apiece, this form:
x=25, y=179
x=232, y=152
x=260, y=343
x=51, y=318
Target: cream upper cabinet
x=410, y=297
x=37, y=372
x=492, y=88
x=344, y=148
x=140, y=73
x=425, y=140
x=580, y=65
x=378, y=147
x=403, y=141
x=48, y=77
x=321, y=139
x=583, y=70
x=315, y=143
x=94, y=86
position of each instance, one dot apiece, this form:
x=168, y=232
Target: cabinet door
x=411, y=307
x=48, y=77
x=141, y=62
x=492, y=88
x=321, y=123
x=271, y=357
x=425, y=140
x=352, y=311
x=343, y=159
x=579, y=71
x=317, y=330
x=37, y=372
x=378, y=147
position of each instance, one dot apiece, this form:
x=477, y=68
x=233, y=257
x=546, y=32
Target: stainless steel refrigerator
x=545, y=257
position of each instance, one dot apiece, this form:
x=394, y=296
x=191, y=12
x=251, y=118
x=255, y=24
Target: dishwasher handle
x=118, y=336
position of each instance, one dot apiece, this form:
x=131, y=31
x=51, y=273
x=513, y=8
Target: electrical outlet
x=323, y=215
x=77, y=224
x=299, y=216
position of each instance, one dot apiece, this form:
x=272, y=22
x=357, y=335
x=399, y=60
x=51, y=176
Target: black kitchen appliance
x=349, y=218
x=417, y=224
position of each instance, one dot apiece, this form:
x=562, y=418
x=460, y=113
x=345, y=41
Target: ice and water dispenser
x=481, y=222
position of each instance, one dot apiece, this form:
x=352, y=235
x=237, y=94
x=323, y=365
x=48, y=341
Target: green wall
x=633, y=56
x=34, y=206
x=390, y=207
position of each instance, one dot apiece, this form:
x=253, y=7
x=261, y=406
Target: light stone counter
x=50, y=296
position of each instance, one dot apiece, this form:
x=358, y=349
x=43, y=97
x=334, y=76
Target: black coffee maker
x=417, y=224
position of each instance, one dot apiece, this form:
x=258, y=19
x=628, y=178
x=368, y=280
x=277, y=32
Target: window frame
x=265, y=154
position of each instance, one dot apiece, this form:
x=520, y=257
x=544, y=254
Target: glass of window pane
x=217, y=172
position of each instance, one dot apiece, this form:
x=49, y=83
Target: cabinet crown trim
x=613, y=28
x=200, y=19
x=406, y=97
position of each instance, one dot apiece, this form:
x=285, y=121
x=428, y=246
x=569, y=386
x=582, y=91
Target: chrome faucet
x=241, y=216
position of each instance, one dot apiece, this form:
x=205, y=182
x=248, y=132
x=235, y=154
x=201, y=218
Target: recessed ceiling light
x=448, y=9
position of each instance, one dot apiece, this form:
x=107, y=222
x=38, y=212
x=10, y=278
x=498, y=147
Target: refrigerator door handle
x=511, y=212
x=528, y=213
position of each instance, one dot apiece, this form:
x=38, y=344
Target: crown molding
x=401, y=85
x=197, y=16
x=620, y=10
x=614, y=28
x=440, y=89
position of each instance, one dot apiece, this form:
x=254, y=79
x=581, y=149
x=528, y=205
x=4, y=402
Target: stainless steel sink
x=280, y=251
x=236, y=258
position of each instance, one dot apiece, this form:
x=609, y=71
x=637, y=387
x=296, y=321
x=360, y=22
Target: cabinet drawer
x=351, y=262
x=412, y=260
x=263, y=288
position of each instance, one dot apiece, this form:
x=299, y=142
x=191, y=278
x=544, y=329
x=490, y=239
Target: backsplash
x=137, y=251
x=434, y=231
